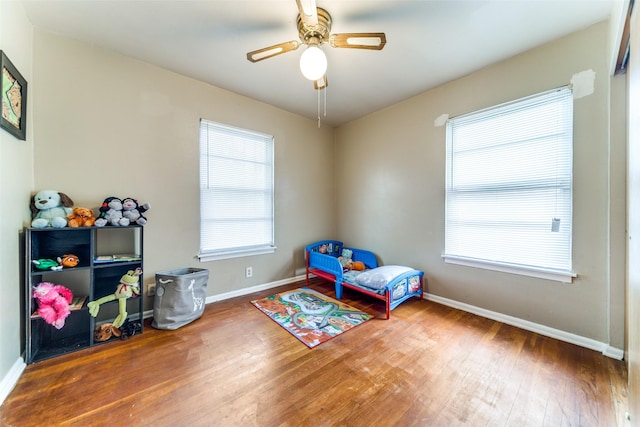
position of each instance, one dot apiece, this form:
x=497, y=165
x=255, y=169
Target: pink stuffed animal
x=53, y=303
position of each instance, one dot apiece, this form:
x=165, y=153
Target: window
x=236, y=192
x=509, y=187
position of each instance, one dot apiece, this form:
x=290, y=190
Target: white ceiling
x=429, y=42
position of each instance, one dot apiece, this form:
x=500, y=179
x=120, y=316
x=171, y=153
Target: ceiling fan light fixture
x=313, y=63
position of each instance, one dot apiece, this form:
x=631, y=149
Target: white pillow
x=378, y=278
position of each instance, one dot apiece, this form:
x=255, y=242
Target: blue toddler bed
x=393, y=284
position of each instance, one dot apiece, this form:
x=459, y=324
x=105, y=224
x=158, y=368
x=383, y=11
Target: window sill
x=540, y=273
x=204, y=257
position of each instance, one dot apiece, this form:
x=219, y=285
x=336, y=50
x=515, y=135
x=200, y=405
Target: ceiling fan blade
x=375, y=41
x=268, y=52
x=308, y=11
x=321, y=83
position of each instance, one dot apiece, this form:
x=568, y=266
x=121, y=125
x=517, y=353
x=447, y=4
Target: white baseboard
x=246, y=291
x=604, y=348
x=11, y=379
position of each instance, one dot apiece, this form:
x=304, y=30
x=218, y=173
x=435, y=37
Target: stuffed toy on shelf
x=128, y=287
x=81, y=217
x=133, y=211
x=68, y=260
x=111, y=213
x=105, y=332
x=53, y=303
x=129, y=329
x=46, y=264
x=50, y=209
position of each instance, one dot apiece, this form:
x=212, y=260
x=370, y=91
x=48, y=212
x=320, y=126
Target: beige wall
x=16, y=181
x=108, y=125
x=397, y=189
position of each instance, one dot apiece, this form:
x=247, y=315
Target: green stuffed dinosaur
x=128, y=286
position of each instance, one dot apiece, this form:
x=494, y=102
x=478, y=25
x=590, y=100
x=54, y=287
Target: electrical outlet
x=248, y=272
x=151, y=289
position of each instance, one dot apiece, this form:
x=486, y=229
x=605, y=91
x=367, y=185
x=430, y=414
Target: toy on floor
x=50, y=209
x=128, y=287
x=53, y=303
x=81, y=217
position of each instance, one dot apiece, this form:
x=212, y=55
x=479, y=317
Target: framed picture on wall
x=14, y=99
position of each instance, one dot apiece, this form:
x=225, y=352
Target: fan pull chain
x=324, y=106
x=318, y=109
x=325, y=100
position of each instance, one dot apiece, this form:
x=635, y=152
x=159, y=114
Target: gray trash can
x=180, y=297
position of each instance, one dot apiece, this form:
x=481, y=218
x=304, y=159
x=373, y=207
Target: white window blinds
x=236, y=191
x=509, y=185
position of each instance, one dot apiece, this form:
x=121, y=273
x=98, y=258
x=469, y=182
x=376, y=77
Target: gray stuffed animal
x=133, y=211
x=111, y=213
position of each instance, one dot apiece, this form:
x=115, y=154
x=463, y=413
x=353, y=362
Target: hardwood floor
x=429, y=365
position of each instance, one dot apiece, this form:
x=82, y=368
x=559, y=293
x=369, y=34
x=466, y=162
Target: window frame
x=554, y=274
x=243, y=250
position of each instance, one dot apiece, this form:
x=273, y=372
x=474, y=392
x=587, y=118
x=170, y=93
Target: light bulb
x=313, y=63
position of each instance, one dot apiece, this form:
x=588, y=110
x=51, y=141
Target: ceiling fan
x=314, y=30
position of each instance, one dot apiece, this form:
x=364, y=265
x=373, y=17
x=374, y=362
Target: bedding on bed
x=378, y=278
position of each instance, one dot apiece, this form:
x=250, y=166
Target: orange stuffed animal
x=357, y=265
x=81, y=217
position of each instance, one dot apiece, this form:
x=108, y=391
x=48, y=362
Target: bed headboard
x=329, y=247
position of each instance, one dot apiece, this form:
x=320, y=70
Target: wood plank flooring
x=429, y=365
